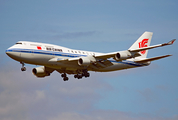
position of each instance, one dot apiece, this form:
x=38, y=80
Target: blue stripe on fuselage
x=67, y=55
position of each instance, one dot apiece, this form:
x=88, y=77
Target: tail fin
x=143, y=41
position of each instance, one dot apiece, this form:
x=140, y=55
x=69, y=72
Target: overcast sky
x=148, y=93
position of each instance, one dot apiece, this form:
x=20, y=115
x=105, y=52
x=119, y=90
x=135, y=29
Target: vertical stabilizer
x=143, y=41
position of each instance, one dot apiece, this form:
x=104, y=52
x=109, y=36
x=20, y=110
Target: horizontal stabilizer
x=151, y=59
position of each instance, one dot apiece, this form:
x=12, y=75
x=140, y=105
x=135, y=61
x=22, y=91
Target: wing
x=101, y=60
x=89, y=61
x=131, y=52
x=151, y=47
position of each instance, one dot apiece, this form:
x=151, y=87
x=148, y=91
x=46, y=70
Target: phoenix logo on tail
x=143, y=44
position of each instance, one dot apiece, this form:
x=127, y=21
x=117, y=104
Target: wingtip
x=171, y=42
x=169, y=55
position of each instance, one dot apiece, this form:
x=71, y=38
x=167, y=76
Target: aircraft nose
x=12, y=54
x=9, y=53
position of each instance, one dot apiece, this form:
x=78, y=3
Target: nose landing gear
x=23, y=68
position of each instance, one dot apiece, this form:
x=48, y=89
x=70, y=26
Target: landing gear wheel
x=79, y=76
x=65, y=78
x=87, y=75
x=63, y=75
x=23, y=69
x=75, y=76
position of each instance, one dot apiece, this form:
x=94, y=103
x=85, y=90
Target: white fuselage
x=79, y=62
x=41, y=54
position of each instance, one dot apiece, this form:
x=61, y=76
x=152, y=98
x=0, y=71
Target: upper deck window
x=18, y=43
x=35, y=45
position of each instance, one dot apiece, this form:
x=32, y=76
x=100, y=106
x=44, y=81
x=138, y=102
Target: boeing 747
x=78, y=62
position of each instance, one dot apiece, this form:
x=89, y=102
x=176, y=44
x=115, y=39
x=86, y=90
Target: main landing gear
x=65, y=78
x=84, y=74
x=23, y=68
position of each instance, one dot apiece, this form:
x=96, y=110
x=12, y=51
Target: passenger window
x=18, y=43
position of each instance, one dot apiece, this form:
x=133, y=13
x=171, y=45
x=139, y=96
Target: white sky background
x=148, y=93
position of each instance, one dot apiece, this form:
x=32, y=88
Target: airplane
x=78, y=62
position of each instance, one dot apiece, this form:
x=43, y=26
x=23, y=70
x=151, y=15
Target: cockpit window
x=18, y=43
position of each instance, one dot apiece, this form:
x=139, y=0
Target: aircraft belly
x=63, y=66
x=36, y=59
x=39, y=59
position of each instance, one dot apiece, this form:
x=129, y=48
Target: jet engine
x=40, y=72
x=85, y=61
x=122, y=55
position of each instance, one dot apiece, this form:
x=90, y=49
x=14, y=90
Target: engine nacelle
x=40, y=72
x=86, y=61
x=122, y=55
